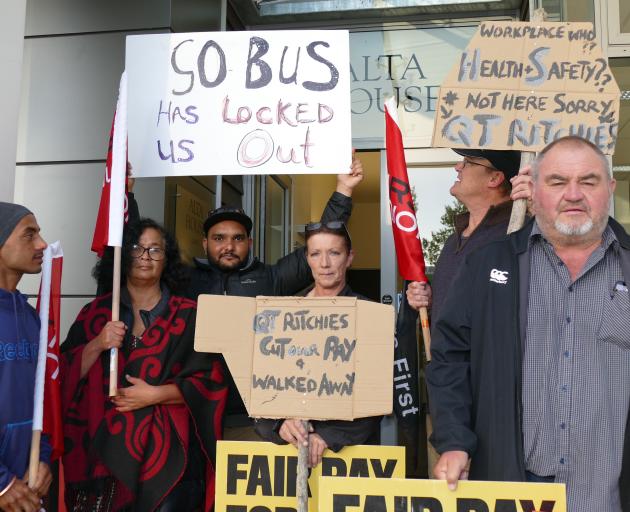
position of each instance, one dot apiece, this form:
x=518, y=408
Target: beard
x=234, y=263
x=574, y=230
x=591, y=227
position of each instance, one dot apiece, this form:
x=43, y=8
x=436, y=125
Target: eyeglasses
x=226, y=209
x=334, y=225
x=155, y=253
x=466, y=162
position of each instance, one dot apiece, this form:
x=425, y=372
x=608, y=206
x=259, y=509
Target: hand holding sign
x=294, y=432
x=303, y=358
x=346, y=183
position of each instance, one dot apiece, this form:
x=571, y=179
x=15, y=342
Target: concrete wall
x=11, y=49
x=73, y=55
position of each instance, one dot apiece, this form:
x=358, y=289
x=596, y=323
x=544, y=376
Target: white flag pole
x=117, y=214
x=40, y=372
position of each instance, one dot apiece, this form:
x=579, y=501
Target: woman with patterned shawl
x=151, y=447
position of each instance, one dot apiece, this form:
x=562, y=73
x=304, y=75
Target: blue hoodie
x=19, y=340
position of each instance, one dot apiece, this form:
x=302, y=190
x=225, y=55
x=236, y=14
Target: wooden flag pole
x=519, y=207
x=302, y=473
x=43, y=304
x=426, y=331
x=113, y=352
x=33, y=463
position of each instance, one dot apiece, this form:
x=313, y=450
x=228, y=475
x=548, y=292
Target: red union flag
x=47, y=411
x=404, y=223
x=111, y=210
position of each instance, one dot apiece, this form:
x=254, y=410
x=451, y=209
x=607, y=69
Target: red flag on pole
x=53, y=425
x=50, y=295
x=404, y=222
x=113, y=205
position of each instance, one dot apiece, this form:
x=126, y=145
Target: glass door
x=275, y=219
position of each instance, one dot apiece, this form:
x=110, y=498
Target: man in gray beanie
x=21, y=252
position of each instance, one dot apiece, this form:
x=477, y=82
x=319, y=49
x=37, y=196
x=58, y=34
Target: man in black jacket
x=231, y=269
x=530, y=377
x=486, y=184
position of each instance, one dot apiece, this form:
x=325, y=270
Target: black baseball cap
x=508, y=162
x=227, y=213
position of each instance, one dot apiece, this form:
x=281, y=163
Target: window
x=276, y=219
x=618, y=22
x=613, y=24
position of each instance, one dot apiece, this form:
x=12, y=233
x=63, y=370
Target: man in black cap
x=21, y=252
x=231, y=269
x=484, y=183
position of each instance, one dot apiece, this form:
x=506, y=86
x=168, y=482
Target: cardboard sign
x=273, y=102
x=298, y=357
x=399, y=495
x=260, y=477
x=523, y=85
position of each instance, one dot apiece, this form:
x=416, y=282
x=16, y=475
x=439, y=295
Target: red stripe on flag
x=53, y=425
x=404, y=222
x=101, y=229
x=52, y=418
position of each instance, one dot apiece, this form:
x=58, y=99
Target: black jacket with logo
x=474, y=377
x=456, y=248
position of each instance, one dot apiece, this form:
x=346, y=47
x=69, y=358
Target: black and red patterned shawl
x=146, y=450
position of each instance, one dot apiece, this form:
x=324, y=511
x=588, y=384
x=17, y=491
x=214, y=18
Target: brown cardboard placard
x=303, y=357
x=521, y=85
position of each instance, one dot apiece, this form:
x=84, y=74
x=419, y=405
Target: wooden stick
x=519, y=207
x=33, y=464
x=113, y=352
x=302, y=474
x=426, y=331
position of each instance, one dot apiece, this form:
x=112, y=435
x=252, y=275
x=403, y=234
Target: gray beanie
x=10, y=215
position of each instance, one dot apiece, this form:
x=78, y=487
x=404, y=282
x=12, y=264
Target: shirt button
x=563, y=387
x=571, y=288
x=568, y=319
x=560, y=263
x=563, y=425
x=566, y=353
x=561, y=460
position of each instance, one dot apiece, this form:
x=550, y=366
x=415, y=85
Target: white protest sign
x=523, y=85
x=274, y=102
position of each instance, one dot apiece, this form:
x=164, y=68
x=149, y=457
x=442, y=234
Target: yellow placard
x=260, y=477
x=400, y=495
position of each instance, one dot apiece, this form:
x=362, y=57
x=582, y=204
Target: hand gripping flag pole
x=404, y=222
x=109, y=223
x=47, y=397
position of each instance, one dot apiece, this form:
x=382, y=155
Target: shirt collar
x=148, y=317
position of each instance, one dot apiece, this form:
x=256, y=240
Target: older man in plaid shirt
x=530, y=378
